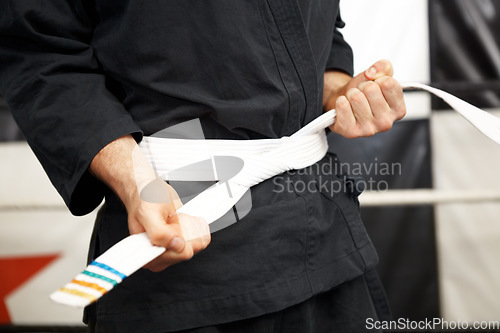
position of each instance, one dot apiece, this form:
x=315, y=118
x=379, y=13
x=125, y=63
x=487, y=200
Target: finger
x=162, y=230
x=168, y=236
x=384, y=116
x=195, y=229
x=197, y=234
x=375, y=98
x=360, y=106
x=379, y=69
x=169, y=258
x=393, y=94
x=344, y=117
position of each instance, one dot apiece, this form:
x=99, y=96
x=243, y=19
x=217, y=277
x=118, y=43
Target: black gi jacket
x=78, y=74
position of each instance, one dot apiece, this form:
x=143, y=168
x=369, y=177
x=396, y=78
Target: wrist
x=122, y=166
x=334, y=85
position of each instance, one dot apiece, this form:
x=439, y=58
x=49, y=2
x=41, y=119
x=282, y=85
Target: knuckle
x=341, y=103
x=370, y=88
x=155, y=237
x=187, y=254
x=355, y=95
x=205, y=241
x=385, y=62
x=352, y=133
x=158, y=238
x=385, y=125
x=402, y=111
x=368, y=131
x=202, y=243
x=388, y=83
x=162, y=236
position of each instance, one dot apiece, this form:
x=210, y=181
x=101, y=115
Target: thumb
x=357, y=80
x=379, y=69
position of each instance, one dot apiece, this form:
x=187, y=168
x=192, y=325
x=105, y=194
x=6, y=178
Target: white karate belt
x=263, y=159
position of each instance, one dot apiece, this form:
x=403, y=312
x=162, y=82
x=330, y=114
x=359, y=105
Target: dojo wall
x=42, y=246
x=467, y=235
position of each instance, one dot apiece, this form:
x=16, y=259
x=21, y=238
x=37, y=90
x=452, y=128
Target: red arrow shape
x=14, y=272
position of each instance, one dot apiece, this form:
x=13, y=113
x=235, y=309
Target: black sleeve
x=56, y=91
x=341, y=57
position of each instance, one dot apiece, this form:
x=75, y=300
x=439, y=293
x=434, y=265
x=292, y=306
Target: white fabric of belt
x=263, y=159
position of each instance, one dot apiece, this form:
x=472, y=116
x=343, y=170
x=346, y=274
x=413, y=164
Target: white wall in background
x=468, y=235
x=395, y=30
x=34, y=222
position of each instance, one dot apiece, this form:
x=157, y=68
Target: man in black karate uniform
x=86, y=80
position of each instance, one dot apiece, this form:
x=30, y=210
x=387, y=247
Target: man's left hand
x=367, y=104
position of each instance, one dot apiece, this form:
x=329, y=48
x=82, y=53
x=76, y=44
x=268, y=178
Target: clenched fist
x=367, y=104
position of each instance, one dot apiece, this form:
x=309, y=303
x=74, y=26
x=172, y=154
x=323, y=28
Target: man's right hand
x=122, y=166
x=367, y=104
